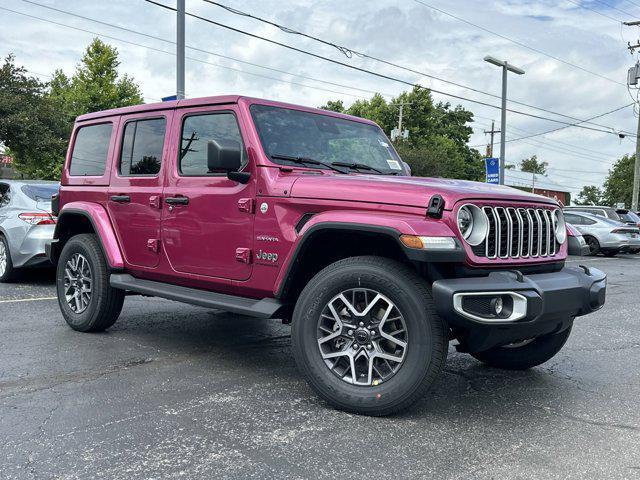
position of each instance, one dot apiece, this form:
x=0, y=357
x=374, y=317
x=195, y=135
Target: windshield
x=40, y=192
x=287, y=132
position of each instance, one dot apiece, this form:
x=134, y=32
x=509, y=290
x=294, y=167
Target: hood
x=409, y=191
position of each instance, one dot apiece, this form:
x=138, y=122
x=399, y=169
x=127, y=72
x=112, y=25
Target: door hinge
x=153, y=244
x=154, y=201
x=246, y=205
x=243, y=255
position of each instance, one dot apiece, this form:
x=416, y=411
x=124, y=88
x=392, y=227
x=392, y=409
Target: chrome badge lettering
x=269, y=257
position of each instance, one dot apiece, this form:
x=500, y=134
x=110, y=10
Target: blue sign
x=493, y=170
x=170, y=98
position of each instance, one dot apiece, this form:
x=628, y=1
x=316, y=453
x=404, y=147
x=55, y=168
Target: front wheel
x=87, y=301
x=366, y=335
x=593, y=244
x=526, y=354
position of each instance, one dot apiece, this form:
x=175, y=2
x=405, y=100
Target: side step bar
x=265, y=308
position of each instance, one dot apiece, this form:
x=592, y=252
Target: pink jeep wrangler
x=279, y=211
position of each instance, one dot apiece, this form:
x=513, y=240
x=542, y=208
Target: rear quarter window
x=90, y=150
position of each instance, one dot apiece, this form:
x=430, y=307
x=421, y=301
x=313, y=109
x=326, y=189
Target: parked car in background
x=629, y=217
x=600, y=211
x=26, y=224
x=575, y=241
x=603, y=235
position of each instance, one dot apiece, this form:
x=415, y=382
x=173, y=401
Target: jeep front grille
x=518, y=233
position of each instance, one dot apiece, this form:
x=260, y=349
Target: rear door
x=208, y=228
x=135, y=192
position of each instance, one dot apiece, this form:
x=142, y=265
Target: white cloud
x=401, y=31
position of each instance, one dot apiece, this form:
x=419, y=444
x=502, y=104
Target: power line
x=350, y=52
x=516, y=42
x=371, y=72
x=595, y=11
x=102, y=35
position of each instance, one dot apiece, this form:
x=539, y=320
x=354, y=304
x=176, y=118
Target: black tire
x=427, y=335
x=105, y=302
x=610, y=253
x=593, y=244
x=10, y=273
x=529, y=355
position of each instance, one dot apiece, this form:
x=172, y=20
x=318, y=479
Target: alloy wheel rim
x=3, y=258
x=362, y=337
x=592, y=245
x=78, y=283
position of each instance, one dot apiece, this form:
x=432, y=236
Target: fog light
x=497, y=305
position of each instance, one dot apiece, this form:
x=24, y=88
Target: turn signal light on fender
x=428, y=243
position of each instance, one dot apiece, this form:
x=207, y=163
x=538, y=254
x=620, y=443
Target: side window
x=5, y=196
x=90, y=150
x=573, y=219
x=587, y=221
x=142, y=144
x=197, y=130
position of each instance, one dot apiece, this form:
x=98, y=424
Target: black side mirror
x=225, y=156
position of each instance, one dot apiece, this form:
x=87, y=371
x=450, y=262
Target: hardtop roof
x=215, y=100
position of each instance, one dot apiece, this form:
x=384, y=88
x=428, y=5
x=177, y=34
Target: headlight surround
x=559, y=226
x=472, y=224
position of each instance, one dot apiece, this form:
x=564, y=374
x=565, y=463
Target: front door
x=134, y=202
x=207, y=227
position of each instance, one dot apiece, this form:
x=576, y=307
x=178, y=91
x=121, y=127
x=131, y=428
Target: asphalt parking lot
x=173, y=391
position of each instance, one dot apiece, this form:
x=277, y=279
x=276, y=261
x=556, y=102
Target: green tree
x=533, y=165
x=334, y=106
x=589, y=195
x=618, y=186
x=32, y=127
x=95, y=85
x=438, y=133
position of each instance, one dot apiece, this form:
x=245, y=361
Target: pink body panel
x=214, y=244
x=102, y=224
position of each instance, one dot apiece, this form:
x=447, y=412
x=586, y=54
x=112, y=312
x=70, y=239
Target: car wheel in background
x=87, y=301
x=7, y=272
x=593, y=244
x=366, y=335
x=526, y=354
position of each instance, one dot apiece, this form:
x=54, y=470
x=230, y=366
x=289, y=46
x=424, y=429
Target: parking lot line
x=28, y=299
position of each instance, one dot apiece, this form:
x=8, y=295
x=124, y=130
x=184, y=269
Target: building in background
x=539, y=184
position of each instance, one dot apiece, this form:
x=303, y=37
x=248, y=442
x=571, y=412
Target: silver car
x=26, y=224
x=603, y=235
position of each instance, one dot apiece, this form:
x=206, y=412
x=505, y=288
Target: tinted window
x=40, y=192
x=574, y=219
x=90, y=150
x=197, y=130
x=142, y=145
x=4, y=194
x=587, y=221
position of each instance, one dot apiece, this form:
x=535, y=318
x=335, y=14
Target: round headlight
x=473, y=224
x=559, y=227
x=465, y=221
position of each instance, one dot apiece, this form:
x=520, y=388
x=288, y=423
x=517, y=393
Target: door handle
x=121, y=198
x=177, y=200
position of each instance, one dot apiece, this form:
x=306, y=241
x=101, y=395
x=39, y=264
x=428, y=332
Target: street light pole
x=180, y=50
x=506, y=67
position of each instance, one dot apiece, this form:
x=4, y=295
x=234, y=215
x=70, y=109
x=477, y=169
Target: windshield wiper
x=305, y=160
x=357, y=166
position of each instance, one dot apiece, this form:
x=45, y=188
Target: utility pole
x=632, y=80
x=493, y=131
x=397, y=132
x=180, y=50
x=506, y=67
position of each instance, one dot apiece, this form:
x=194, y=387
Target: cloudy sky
x=574, y=53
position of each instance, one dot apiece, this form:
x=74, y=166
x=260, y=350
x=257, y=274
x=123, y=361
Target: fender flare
x=375, y=225
x=99, y=219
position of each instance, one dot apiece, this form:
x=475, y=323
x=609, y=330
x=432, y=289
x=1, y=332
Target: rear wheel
x=593, y=244
x=526, y=354
x=366, y=336
x=7, y=272
x=87, y=301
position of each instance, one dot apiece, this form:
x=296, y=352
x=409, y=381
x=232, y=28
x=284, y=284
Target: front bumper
x=542, y=303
